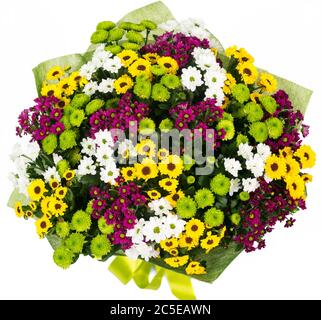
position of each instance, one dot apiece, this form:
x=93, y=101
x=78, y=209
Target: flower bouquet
x=161, y=148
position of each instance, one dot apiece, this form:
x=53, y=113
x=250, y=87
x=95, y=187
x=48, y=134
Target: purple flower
x=57, y=128
x=56, y=114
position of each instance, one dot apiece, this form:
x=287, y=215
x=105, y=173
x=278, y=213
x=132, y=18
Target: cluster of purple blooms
x=177, y=46
x=118, y=207
x=128, y=110
x=42, y=119
x=271, y=204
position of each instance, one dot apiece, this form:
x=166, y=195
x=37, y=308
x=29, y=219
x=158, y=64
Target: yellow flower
x=306, y=155
x=171, y=166
x=255, y=96
x=57, y=207
x=225, y=102
x=63, y=101
x=67, y=86
x=78, y=79
x=36, y=189
x=154, y=194
x=128, y=173
x=169, y=244
x=123, y=84
x=307, y=177
x=286, y=152
x=210, y=242
x=28, y=214
x=169, y=64
x=248, y=72
x=296, y=187
x=194, y=267
x=268, y=82
x=43, y=225
x=32, y=205
x=173, y=252
x=54, y=184
x=194, y=228
x=151, y=57
x=61, y=192
x=44, y=204
x=146, y=170
x=215, y=51
x=127, y=57
x=162, y=154
x=18, y=209
x=146, y=147
x=168, y=184
x=174, y=197
x=229, y=83
x=69, y=174
x=176, y=262
x=188, y=241
x=275, y=167
x=140, y=66
x=232, y=51
x=292, y=167
x=244, y=56
x=55, y=73
x=49, y=90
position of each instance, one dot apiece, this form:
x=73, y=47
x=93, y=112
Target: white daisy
x=160, y=207
x=168, y=25
x=90, y=88
x=263, y=150
x=188, y=26
x=109, y=173
x=245, y=151
x=104, y=155
x=215, y=93
x=142, y=250
x=205, y=59
x=200, y=33
x=173, y=226
x=100, y=57
x=88, y=146
x=104, y=138
x=136, y=233
x=232, y=166
x=126, y=148
x=51, y=173
x=112, y=65
x=106, y=85
x=87, y=70
x=154, y=230
x=56, y=158
x=86, y=166
x=234, y=186
x=214, y=78
x=255, y=165
x=191, y=78
x=250, y=185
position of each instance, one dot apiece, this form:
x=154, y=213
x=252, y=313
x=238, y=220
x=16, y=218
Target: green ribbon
x=126, y=269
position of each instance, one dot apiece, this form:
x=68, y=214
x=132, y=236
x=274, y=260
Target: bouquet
x=161, y=148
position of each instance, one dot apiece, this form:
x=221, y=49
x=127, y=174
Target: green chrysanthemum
x=89, y=207
x=148, y=24
x=171, y=81
x=241, y=138
x=268, y=103
x=63, y=257
x=134, y=37
x=228, y=127
x=259, y=131
x=68, y=110
x=62, y=229
x=74, y=156
x=49, y=144
x=254, y=112
x=94, y=106
x=143, y=89
x=105, y=25
x=100, y=246
x=67, y=140
x=146, y=126
x=77, y=117
x=157, y=70
x=220, y=184
x=79, y=100
x=113, y=48
x=214, y=217
x=137, y=27
x=75, y=242
x=104, y=227
x=112, y=103
x=125, y=25
x=244, y=196
x=241, y=92
x=235, y=218
x=204, y=198
x=99, y=36
x=160, y=93
x=65, y=121
x=62, y=167
x=80, y=221
x=186, y=207
x=190, y=179
x=275, y=127
x=166, y=125
x=115, y=34
x=227, y=116
x=130, y=46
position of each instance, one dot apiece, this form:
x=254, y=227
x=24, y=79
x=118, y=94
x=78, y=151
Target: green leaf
x=54, y=240
x=15, y=197
x=204, y=181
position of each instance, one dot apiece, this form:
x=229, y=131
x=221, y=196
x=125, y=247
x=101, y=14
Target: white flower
x=88, y=146
x=104, y=155
x=215, y=93
x=154, y=230
x=250, y=185
x=214, y=78
x=245, y=151
x=169, y=25
x=136, y=233
x=112, y=65
x=109, y=173
x=255, y=165
x=16, y=151
x=56, y=158
x=104, y=138
x=160, y=207
x=20, y=165
x=126, y=148
x=234, y=186
x=199, y=33
x=29, y=151
x=21, y=182
x=205, y=59
x=232, y=166
x=173, y=226
x=32, y=150
x=87, y=70
x=263, y=150
x=51, y=173
x=106, y=85
x=132, y=252
x=100, y=57
x=186, y=26
x=143, y=250
x=86, y=166
x=191, y=78
x=90, y=88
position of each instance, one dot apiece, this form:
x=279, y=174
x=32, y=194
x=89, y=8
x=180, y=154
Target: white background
x=283, y=37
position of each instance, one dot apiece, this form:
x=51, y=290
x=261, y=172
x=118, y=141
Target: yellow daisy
x=49, y=90
x=268, y=82
x=44, y=205
x=162, y=154
x=210, y=242
x=36, y=189
x=194, y=228
x=28, y=214
x=275, y=167
x=32, y=205
x=169, y=244
x=173, y=252
x=188, y=241
x=154, y=194
x=55, y=73
x=128, y=173
x=146, y=147
x=43, y=225
x=306, y=155
x=123, y=84
x=61, y=192
x=286, y=152
x=232, y=51
x=171, y=166
x=54, y=184
x=255, y=97
x=248, y=72
x=18, y=209
x=176, y=262
x=244, y=56
x=67, y=86
x=151, y=57
x=57, y=207
x=169, y=64
x=140, y=66
x=174, y=197
x=127, y=57
x=146, y=170
x=195, y=267
x=168, y=184
x=78, y=79
x=296, y=187
x=69, y=174
x=307, y=177
x=292, y=167
x=229, y=83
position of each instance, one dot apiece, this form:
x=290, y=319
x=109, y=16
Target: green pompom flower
x=77, y=117
x=105, y=25
x=104, y=227
x=254, y=112
x=63, y=257
x=67, y=140
x=130, y=46
x=89, y=208
x=62, y=167
x=68, y=110
x=134, y=37
x=228, y=127
x=241, y=138
x=160, y=93
x=146, y=126
x=114, y=49
x=186, y=207
x=74, y=156
x=80, y=221
x=143, y=89
x=65, y=121
x=94, y=106
x=125, y=25
x=220, y=184
x=241, y=92
x=275, y=127
x=204, y=198
x=227, y=116
x=137, y=27
x=149, y=25
x=157, y=70
x=49, y=144
x=115, y=34
x=235, y=218
x=112, y=103
x=268, y=103
x=62, y=229
x=170, y=81
x=100, y=246
x=79, y=100
x=190, y=179
x=214, y=217
x=99, y=36
x=75, y=242
x=166, y=125
x=244, y=196
x=259, y=131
